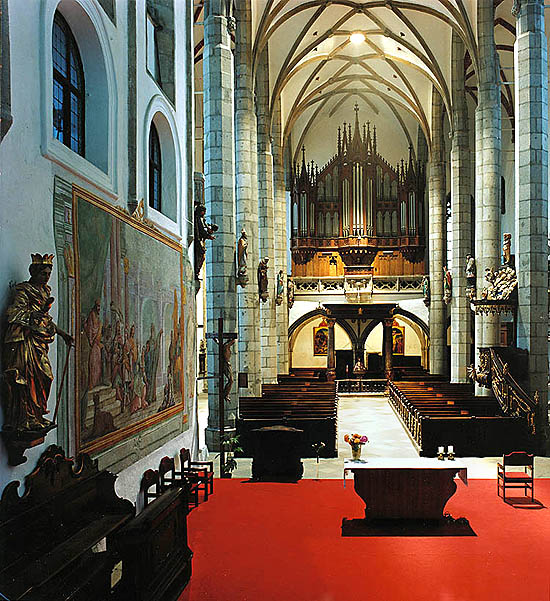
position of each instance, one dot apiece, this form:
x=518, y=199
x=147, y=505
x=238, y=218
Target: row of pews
x=303, y=401
x=437, y=413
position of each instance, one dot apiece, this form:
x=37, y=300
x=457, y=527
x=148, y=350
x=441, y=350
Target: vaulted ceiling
x=400, y=49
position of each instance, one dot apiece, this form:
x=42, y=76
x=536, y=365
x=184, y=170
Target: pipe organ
x=358, y=207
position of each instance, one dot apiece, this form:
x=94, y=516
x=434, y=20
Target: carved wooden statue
x=471, y=272
x=507, y=250
x=426, y=290
x=27, y=370
x=290, y=288
x=203, y=231
x=227, y=371
x=447, y=285
x=280, y=288
x=263, y=282
x=242, y=260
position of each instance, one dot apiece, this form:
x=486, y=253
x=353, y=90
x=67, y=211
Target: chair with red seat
x=516, y=471
x=169, y=477
x=198, y=471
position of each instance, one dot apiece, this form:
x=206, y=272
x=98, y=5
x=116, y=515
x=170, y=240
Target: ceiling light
x=357, y=37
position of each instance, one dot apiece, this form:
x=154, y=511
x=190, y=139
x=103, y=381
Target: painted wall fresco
x=131, y=320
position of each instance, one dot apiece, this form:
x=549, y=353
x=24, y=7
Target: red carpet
x=282, y=542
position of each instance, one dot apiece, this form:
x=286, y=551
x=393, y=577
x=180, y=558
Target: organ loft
x=365, y=215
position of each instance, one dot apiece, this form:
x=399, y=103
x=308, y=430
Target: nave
x=373, y=416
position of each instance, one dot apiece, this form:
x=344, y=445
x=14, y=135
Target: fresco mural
x=130, y=315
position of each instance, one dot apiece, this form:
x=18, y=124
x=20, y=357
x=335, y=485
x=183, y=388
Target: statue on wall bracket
x=471, y=273
x=242, y=260
x=426, y=290
x=447, y=285
x=28, y=373
x=263, y=281
x=290, y=289
x=280, y=288
x=203, y=231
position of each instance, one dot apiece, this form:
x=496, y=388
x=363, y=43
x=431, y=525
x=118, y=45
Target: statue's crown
x=38, y=259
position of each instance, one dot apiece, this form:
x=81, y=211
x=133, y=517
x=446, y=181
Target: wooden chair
x=170, y=478
x=524, y=478
x=150, y=480
x=198, y=471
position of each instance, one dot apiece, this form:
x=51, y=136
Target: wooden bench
x=441, y=414
x=307, y=405
x=156, y=558
x=47, y=535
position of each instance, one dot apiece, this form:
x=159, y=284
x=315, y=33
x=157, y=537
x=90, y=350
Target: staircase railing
x=513, y=399
x=494, y=372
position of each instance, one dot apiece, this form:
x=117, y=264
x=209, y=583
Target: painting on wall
x=398, y=338
x=320, y=339
x=130, y=312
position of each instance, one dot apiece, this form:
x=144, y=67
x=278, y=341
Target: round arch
x=160, y=113
x=99, y=165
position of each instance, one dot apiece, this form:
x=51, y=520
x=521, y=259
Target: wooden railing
x=494, y=373
x=359, y=385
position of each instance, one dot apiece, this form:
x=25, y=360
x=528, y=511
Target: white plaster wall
x=373, y=343
x=27, y=176
x=302, y=350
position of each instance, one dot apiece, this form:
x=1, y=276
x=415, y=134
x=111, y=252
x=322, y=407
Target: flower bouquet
x=356, y=441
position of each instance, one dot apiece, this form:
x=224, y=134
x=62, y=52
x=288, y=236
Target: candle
x=450, y=449
x=440, y=450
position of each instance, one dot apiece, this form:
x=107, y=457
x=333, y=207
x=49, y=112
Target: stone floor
x=371, y=415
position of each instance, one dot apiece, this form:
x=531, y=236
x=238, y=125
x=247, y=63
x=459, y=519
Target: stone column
x=437, y=241
x=531, y=78
x=281, y=262
x=388, y=347
x=247, y=200
x=331, y=351
x=266, y=212
x=461, y=216
x=488, y=170
x=219, y=172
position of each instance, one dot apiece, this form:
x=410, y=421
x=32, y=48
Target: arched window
x=155, y=170
x=68, y=87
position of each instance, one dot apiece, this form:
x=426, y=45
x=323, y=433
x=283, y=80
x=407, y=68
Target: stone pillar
x=247, y=200
x=219, y=172
x=488, y=170
x=388, y=347
x=461, y=216
x=437, y=241
x=531, y=64
x=331, y=351
x=266, y=212
x=281, y=261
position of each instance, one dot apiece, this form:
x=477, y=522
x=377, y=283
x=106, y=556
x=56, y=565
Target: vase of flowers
x=356, y=442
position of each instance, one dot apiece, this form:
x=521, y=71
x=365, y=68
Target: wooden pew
x=47, y=535
x=305, y=404
x=441, y=414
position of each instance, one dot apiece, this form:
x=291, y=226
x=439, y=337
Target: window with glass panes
x=155, y=169
x=68, y=87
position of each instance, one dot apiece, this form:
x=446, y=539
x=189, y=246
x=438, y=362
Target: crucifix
x=224, y=341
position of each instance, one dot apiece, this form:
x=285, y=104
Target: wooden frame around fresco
x=109, y=440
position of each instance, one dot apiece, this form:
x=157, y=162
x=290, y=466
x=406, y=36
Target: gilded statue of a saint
x=30, y=331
